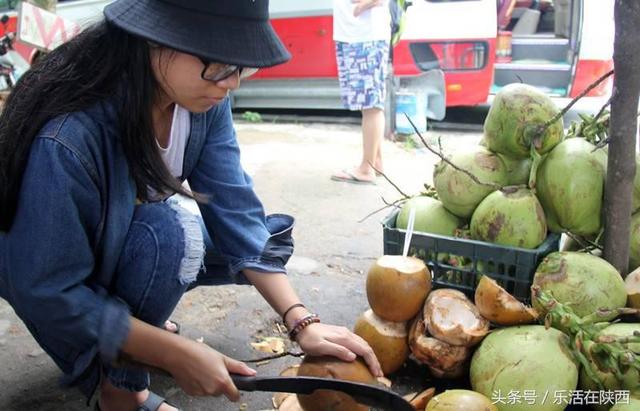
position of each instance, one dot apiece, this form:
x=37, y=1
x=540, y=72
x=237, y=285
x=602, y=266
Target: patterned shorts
x=362, y=69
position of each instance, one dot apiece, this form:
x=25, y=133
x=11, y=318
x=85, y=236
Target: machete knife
x=366, y=394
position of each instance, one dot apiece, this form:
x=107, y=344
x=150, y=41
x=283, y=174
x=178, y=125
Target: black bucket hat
x=225, y=31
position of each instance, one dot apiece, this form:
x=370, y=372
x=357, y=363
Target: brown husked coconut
x=397, y=287
x=331, y=367
x=632, y=285
x=387, y=339
x=498, y=306
x=280, y=397
x=451, y=317
x=443, y=360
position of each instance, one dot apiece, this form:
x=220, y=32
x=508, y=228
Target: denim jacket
x=75, y=206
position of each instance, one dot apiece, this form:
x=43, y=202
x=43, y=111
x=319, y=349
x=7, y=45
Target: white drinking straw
x=407, y=236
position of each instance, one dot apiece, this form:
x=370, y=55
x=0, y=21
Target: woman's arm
x=315, y=339
x=254, y=245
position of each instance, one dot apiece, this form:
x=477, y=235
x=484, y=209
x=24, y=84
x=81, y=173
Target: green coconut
x=511, y=216
x=518, y=169
x=430, y=217
x=570, y=187
x=525, y=358
x=583, y=281
x=457, y=191
x=634, y=242
x=601, y=155
x=460, y=400
x=632, y=405
x=513, y=124
x=631, y=377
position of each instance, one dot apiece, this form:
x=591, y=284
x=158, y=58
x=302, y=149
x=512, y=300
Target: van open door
x=558, y=46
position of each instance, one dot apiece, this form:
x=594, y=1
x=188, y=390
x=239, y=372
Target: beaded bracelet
x=301, y=324
x=284, y=316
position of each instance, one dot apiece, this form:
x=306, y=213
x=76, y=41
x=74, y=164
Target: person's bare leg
x=378, y=164
x=372, y=136
x=116, y=399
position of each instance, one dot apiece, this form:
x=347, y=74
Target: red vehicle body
x=560, y=47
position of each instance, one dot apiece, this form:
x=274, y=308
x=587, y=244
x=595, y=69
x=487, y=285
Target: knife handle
x=243, y=382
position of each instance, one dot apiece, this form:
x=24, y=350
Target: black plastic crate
x=513, y=268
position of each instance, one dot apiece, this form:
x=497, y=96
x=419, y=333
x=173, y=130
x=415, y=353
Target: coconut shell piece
x=452, y=318
x=632, y=285
x=290, y=404
x=443, y=360
x=498, y=306
x=384, y=381
x=419, y=401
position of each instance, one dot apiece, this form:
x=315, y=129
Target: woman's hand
x=317, y=338
x=200, y=370
x=324, y=339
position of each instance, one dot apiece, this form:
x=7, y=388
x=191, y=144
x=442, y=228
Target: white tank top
x=373, y=24
x=173, y=154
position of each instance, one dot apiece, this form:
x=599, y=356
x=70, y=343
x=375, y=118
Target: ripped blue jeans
x=162, y=257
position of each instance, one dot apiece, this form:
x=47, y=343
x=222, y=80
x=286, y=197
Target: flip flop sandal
x=153, y=402
x=177, y=324
x=350, y=178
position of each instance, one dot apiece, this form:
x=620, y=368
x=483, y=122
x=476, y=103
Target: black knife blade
x=363, y=393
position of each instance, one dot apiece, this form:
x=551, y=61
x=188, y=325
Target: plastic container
x=415, y=106
x=513, y=268
x=503, y=47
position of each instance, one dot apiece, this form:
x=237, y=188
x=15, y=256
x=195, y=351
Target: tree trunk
x=622, y=146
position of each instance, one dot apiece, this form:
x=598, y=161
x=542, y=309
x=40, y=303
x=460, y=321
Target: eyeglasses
x=219, y=71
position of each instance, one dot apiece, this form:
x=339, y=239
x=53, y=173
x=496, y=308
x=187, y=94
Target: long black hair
x=87, y=69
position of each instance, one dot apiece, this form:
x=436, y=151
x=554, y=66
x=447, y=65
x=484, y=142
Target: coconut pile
x=489, y=188
x=438, y=329
x=524, y=180
x=495, y=346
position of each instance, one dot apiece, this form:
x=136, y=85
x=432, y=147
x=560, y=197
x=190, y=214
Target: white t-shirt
x=371, y=25
x=173, y=154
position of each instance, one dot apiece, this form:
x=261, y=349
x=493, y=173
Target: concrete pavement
x=291, y=165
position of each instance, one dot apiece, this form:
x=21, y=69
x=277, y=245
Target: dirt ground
x=291, y=165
